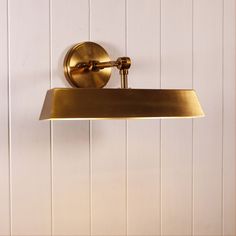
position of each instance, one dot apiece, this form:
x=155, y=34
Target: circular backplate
x=83, y=53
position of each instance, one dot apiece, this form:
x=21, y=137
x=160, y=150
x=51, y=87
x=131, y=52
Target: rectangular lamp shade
x=86, y=104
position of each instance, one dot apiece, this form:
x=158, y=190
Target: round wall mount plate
x=83, y=53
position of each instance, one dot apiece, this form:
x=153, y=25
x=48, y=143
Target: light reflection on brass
x=75, y=63
x=68, y=103
x=87, y=65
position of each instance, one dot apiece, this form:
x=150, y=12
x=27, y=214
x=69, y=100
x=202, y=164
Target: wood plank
x=30, y=148
x=4, y=134
x=208, y=131
x=71, y=200
x=143, y=174
x=229, y=121
x=108, y=137
x=176, y=135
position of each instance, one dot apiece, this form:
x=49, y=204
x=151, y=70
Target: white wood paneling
x=117, y=177
x=144, y=200
x=30, y=142
x=229, y=120
x=70, y=156
x=176, y=135
x=207, y=68
x=108, y=137
x=4, y=134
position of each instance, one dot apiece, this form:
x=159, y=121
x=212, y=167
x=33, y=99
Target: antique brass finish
x=87, y=65
x=76, y=103
x=75, y=66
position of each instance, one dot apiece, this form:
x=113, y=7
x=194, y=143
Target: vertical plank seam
x=9, y=118
x=222, y=129
x=160, y=135
x=234, y=73
x=126, y=134
x=234, y=56
x=192, y=203
x=51, y=122
x=234, y=130
x=90, y=137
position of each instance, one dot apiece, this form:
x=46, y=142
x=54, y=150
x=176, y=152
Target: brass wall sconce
x=87, y=67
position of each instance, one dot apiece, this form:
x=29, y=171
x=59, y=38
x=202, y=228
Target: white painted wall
x=149, y=177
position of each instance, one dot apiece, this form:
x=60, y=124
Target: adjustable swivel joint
x=87, y=65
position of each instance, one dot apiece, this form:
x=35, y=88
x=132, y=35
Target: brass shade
x=93, y=103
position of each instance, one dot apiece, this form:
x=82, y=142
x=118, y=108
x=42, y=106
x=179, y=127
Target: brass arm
x=122, y=63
